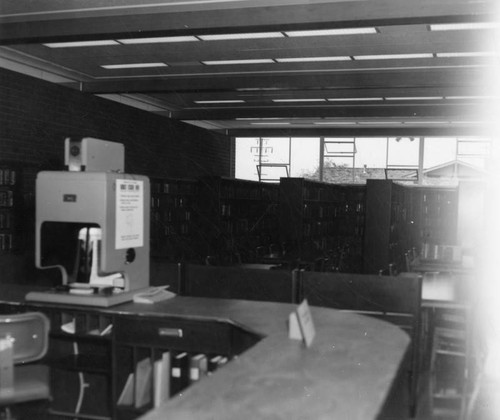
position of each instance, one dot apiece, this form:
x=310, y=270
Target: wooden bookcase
x=321, y=220
x=399, y=218
x=237, y=217
x=174, y=229
x=80, y=357
x=140, y=346
x=11, y=208
x=437, y=215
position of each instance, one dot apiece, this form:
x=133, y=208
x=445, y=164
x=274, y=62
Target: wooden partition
x=239, y=283
x=384, y=295
x=163, y=273
x=396, y=299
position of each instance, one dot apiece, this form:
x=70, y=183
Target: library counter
x=348, y=372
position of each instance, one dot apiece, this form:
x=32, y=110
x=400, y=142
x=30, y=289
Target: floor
x=486, y=405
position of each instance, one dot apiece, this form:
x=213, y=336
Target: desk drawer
x=192, y=336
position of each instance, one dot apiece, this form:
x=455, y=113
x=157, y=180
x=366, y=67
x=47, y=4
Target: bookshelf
x=437, y=215
x=238, y=216
x=157, y=360
x=173, y=219
x=321, y=220
x=10, y=208
x=399, y=218
x=352, y=228
x=80, y=352
x=93, y=353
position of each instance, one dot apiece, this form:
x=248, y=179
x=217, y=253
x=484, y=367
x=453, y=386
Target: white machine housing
x=117, y=203
x=93, y=155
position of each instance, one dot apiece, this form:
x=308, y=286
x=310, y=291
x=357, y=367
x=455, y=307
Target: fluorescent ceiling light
x=81, y=44
x=226, y=101
x=463, y=26
x=413, y=98
x=299, y=100
x=379, y=122
x=264, y=118
x=257, y=89
x=327, y=32
x=270, y=123
x=334, y=123
x=133, y=66
x=158, y=40
x=425, y=122
x=464, y=122
x=466, y=54
x=312, y=59
x=391, y=56
x=354, y=99
x=225, y=62
x=256, y=35
x=467, y=97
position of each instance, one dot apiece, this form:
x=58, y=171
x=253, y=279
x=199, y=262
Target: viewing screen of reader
x=68, y=245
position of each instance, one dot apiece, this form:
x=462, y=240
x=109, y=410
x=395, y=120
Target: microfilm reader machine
x=92, y=224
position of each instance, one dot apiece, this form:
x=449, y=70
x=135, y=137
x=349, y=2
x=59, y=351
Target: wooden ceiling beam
x=266, y=96
x=448, y=111
x=439, y=78
x=403, y=131
x=277, y=70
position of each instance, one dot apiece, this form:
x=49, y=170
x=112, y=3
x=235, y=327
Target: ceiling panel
x=309, y=82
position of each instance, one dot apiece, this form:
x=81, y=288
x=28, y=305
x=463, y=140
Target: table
x=420, y=265
x=445, y=289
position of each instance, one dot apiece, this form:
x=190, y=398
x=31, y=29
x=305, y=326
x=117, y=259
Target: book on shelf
x=198, y=367
x=179, y=373
x=162, y=379
x=143, y=377
x=127, y=395
x=216, y=362
x=213, y=363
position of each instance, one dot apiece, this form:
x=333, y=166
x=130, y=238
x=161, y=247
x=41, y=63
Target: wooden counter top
x=347, y=373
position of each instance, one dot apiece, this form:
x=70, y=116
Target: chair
x=23, y=339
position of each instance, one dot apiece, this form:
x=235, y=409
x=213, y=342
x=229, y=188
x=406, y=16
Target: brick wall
x=36, y=116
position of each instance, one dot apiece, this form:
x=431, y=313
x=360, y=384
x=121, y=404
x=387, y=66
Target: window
x=300, y=155
x=304, y=156
x=402, y=152
x=438, y=151
x=371, y=152
x=349, y=159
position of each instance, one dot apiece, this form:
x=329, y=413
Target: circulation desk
x=350, y=370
